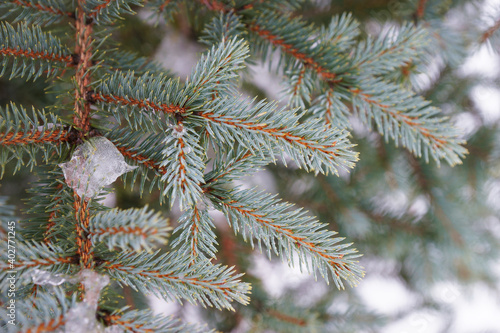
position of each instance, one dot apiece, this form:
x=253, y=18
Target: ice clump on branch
x=82, y=317
x=43, y=278
x=93, y=165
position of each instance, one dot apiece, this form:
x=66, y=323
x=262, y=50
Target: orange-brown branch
x=421, y=8
x=214, y=5
x=83, y=241
x=182, y=163
x=42, y=8
x=287, y=318
x=8, y=51
x=173, y=278
x=136, y=102
x=129, y=325
x=83, y=50
x=229, y=168
x=99, y=8
x=299, y=240
x=487, y=34
x=51, y=223
x=275, y=40
x=54, y=136
x=290, y=49
x=164, y=4
x=194, y=232
x=51, y=326
x=124, y=230
x=44, y=262
x=142, y=159
x=410, y=121
x=273, y=132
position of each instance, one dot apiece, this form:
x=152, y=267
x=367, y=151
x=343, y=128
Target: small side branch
x=16, y=52
x=114, y=99
x=83, y=240
x=83, y=50
x=43, y=8
x=52, y=325
x=420, y=9
x=48, y=136
x=488, y=33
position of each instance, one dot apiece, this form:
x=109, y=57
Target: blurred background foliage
x=417, y=224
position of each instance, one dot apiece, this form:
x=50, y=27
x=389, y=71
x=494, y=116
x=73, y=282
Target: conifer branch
x=39, y=52
x=31, y=255
x=52, y=136
x=141, y=103
x=309, y=144
x=287, y=318
x=229, y=166
x=490, y=31
x=23, y=133
x=83, y=239
x=83, y=51
x=184, y=159
x=131, y=229
x=201, y=282
x=42, y=7
x=409, y=119
x=420, y=9
x=107, y=11
x=390, y=50
x=195, y=236
x=281, y=230
x=146, y=322
x=53, y=325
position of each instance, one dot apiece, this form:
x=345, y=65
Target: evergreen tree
x=110, y=113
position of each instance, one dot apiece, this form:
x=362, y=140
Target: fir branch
x=141, y=103
x=222, y=28
x=47, y=206
x=84, y=54
x=342, y=31
x=83, y=239
x=420, y=9
x=289, y=49
x=112, y=60
x=131, y=229
x=233, y=165
x=408, y=119
x=330, y=107
x=214, y=70
x=23, y=133
x=184, y=159
x=40, y=52
x=145, y=96
x=195, y=236
x=144, y=321
x=165, y=8
x=53, y=325
x=490, y=31
x=30, y=137
x=281, y=230
x=261, y=127
x=300, y=85
x=31, y=255
x=390, y=50
x=107, y=11
x=52, y=7
x=171, y=276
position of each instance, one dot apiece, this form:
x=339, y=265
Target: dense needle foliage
x=365, y=137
